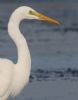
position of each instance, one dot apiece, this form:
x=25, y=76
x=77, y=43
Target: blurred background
x=54, y=52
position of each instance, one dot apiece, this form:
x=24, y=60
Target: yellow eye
x=31, y=12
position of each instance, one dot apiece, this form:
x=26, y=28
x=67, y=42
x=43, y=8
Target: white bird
x=13, y=77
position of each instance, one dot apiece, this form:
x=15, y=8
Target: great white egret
x=13, y=77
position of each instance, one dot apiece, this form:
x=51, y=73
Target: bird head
x=30, y=13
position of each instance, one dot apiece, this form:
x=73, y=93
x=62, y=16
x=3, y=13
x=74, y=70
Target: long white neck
x=19, y=40
x=23, y=66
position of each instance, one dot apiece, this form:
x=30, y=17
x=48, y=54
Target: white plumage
x=13, y=77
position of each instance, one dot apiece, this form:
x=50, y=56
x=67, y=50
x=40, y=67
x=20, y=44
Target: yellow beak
x=46, y=18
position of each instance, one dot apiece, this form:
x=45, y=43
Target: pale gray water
x=50, y=49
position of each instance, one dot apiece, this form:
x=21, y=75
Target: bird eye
x=31, y=12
